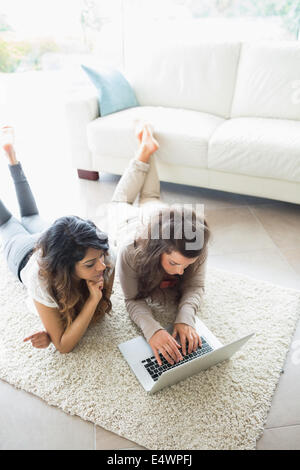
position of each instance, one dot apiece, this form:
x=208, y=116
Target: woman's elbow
x=64, y=349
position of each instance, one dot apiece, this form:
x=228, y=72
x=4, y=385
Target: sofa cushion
x=267, y=79
x=260, y=147
x=183, y=135
x=198, y=77
x=114, y=91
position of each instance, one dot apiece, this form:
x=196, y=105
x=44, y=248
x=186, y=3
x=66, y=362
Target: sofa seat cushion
x=259, y=147
x=183, y=135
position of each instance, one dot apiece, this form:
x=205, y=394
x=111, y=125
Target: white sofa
x=227, y=116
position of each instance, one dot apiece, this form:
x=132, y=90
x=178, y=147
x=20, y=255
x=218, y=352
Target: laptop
x=153, y=377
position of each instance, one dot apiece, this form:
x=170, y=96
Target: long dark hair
x=170, y=229
x=61, y=247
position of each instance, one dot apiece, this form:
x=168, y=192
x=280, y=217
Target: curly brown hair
x=60, y=247
x=167, y=226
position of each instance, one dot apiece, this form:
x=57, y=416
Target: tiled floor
x=257, y=237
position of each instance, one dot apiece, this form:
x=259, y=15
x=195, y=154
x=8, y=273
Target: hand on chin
x=99, y=282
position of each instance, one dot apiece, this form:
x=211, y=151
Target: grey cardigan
x=191, y=291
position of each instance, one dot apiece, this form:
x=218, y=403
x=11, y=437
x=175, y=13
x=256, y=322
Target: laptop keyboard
x=155, y=370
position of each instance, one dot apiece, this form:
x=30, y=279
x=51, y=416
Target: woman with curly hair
x=166, y=249
x=67, y=268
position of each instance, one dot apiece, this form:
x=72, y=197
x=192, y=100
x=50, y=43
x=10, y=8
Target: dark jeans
x=19, y=237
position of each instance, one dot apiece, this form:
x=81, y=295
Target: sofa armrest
x=81, y=109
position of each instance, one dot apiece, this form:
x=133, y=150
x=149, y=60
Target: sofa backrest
x=268, y=81
x=199, y=77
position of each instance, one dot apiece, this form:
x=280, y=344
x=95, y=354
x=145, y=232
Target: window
x=56, y=34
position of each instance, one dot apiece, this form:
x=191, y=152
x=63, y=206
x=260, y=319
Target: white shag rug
x=224, y=407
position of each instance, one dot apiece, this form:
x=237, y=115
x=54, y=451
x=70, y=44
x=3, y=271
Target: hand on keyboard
x=156, y=370
x=186, y=334
x=163, y=342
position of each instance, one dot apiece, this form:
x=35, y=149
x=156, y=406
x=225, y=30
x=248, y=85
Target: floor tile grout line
x=240, y=252
x=238, y=206
x=283, y=258
x=266, y=233
x=280, y=427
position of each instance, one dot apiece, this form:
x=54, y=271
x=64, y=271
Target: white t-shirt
x=36, y=287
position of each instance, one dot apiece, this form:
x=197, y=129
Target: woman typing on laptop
x=167, y=252
x=67, y=268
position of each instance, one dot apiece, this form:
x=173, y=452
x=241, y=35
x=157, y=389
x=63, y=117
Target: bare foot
x=148, y=145
x=148, y=139
x=7, y=141
x=139, y=128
